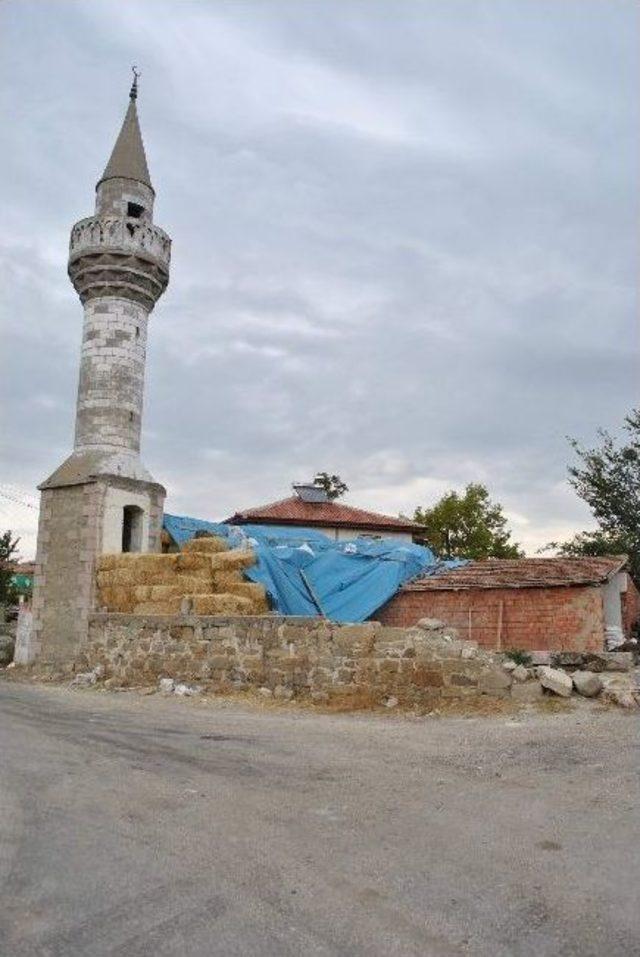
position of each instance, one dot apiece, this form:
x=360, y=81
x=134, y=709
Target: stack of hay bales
x=206, y=571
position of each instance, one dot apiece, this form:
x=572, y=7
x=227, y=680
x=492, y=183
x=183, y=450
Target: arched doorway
x=132, y=528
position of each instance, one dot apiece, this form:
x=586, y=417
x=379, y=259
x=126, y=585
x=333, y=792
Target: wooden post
x=499, y=635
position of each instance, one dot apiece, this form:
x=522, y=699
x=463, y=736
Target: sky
x=405, y=243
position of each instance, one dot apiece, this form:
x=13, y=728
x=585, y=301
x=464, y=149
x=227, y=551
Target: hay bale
x=224, y=604
x=251, y=590
x=117, y=576
x=222, y=581
x=196, y=563
x=129, y=560
x=162, y=592
x=141, y=593
x=207, y=545
x=116, y=598
x=106, y=563
x=170, y=606
x=193, y=584
x=233, y=560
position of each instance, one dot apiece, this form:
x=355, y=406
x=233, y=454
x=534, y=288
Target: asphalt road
x=143, y=826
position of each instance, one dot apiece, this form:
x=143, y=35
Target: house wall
x=554, y=619
x=344, y=534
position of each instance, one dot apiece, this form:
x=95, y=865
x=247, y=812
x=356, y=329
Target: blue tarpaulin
x=307, y=573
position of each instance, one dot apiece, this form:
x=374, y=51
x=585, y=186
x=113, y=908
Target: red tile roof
x=293, y=511
x=522, y=573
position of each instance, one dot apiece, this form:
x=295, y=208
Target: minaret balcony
x=118, y=256
x=111, y=233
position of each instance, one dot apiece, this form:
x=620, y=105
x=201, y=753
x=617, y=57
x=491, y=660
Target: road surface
x=138, y=826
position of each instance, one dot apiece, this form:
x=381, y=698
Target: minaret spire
x=128, y=160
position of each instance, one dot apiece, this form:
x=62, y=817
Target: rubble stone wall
x=551, y=619
x=369, y=662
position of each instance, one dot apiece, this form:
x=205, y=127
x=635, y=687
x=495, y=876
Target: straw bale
x=224, y=604
x=170, y=606
x=193, y=584
x=116, y=598
x=251, y=590
x=236, y=559
x=162, y=592
x=208, y=545
x=106, y=563
x=193, y=562
x=223, y=580
x=142, y=560
x=116, y=577
x=141, y=593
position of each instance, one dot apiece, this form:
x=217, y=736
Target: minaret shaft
x=111, y=384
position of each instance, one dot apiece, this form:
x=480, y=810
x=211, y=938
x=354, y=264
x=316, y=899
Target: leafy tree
x=467, y=526
x=607, y=478
x=332, y=484
x=8, y=555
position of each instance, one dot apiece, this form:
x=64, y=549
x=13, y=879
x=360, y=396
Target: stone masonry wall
x=367, y=661
x=551, y=619
x=111, y=385
x=68, y=540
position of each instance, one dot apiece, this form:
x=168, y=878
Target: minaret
x=102, y=499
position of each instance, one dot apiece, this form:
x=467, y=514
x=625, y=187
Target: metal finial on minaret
x=133, y=93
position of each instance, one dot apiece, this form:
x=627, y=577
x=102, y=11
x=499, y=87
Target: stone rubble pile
x=613, y=677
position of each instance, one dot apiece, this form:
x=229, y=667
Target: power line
x=16, y=500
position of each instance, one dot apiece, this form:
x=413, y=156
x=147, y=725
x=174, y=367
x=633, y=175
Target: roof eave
x=240, y=519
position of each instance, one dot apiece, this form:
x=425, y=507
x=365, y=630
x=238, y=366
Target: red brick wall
x=630, y=607
x=554, y=619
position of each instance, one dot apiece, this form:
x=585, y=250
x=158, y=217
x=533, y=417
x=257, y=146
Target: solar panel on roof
x=311, y=493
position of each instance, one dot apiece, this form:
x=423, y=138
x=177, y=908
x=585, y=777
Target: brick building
x=566, y=604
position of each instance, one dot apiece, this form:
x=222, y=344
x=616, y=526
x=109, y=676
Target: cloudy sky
x=404, y=242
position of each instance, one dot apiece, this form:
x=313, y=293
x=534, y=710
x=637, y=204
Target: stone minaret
x=102, y=499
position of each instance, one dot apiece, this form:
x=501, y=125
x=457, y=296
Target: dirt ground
x=136, y=824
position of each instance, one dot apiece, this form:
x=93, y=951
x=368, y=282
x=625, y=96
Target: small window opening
x=134, y=211
x=132, y=528
x=131, y=417
x=137, y=332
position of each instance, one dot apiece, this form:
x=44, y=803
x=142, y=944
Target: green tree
x=8, y=555
x=332, y=484
x=467, y=526
x=607, y=478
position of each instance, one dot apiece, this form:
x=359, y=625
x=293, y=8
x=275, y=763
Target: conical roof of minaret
x=128, y=159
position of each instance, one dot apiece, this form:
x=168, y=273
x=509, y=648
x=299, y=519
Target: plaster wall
x=115, y=501
x=343, y=534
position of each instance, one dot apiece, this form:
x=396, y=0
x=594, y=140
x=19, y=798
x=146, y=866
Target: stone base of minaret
x=77, y=524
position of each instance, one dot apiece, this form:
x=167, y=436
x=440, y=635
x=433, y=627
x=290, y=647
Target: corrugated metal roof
x=522, y=573
x=293, y=511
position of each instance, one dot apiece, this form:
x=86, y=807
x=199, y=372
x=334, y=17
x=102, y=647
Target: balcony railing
x=100, y=234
